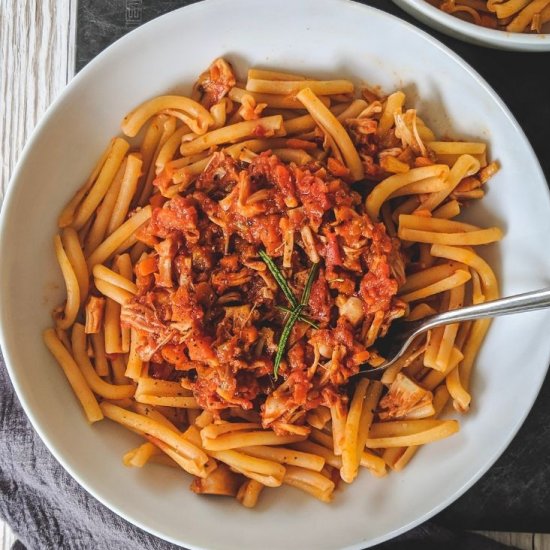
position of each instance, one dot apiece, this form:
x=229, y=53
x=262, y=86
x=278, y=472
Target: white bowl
x=475, y=34
x=332, y=37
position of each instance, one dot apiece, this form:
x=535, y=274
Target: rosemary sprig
x=303, y=318
x=297, y=307
x=287, y=329
x=279, y=277
x=309, y=283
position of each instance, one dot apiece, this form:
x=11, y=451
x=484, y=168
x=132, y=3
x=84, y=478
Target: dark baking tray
x=515, y=494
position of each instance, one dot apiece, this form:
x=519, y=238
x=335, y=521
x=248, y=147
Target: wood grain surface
x=37, y=45
x=37, y=48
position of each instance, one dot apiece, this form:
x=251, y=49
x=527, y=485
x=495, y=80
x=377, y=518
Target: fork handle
x=530, y=301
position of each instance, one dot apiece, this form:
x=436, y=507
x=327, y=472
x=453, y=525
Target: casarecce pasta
x=227, y=277
x=507, y=15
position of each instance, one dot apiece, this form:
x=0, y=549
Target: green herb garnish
x=287, y=329
x=309, y=283
x=303, y=318
x=297, y=307
x=280, y=278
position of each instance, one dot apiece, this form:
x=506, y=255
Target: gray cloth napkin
x=48, y=510
x=43, y=504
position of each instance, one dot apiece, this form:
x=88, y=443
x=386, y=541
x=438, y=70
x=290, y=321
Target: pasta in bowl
x=229, y=275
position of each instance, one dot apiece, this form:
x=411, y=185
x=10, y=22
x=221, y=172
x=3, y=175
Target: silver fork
x=401, y=335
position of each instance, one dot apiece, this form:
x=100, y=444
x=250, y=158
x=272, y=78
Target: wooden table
x=37, y=40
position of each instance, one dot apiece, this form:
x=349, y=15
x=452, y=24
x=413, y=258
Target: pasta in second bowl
x=520, y=26
x=371, y=509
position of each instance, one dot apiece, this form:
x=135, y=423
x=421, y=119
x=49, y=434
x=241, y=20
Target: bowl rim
x=490, y=37
x=35, y=136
